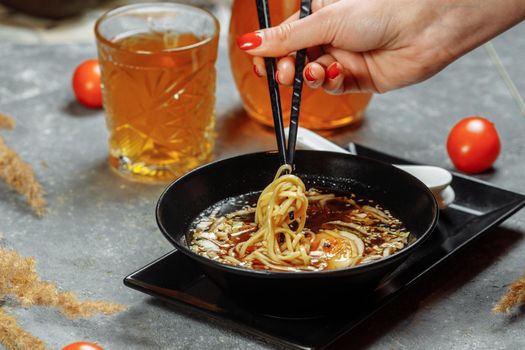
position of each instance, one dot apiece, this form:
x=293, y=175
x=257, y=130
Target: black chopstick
x=300, y=60
x=286, y=154
x=263, y=14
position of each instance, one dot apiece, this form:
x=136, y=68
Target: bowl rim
x=359, y=269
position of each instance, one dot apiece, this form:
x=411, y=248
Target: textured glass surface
x=159, y=92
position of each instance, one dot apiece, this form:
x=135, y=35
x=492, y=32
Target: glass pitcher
x=319, y=110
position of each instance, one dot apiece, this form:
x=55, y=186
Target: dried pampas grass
x=515, y=296
x=20, y=176
x=14, y=337
x=6, y=122
x=19, y=279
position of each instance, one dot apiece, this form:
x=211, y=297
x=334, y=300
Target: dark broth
x=323, y=215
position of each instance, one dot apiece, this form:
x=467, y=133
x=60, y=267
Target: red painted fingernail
x=308, y=74
x=277, y=77
x=256, y=71
x=333, y=71
x=249, y=41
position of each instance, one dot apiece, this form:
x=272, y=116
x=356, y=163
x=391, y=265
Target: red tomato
x=473, y=144
x=86, y=84
x=82, y=346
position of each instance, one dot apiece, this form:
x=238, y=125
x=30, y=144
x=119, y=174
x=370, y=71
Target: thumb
x=288, y=37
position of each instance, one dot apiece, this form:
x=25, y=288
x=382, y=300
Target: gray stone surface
x=100, y=228
x=510, y=47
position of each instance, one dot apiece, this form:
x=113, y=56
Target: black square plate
x=478, y=207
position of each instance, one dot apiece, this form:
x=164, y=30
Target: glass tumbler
x=157, y=64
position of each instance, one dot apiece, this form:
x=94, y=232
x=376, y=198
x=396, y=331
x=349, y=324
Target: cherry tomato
x=86, y=84
x=82, y=346
x=473, y=144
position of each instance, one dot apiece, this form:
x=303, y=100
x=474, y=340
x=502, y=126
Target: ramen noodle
x=294, y=229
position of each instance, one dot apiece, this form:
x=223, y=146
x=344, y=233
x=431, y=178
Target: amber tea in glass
x=158, y=74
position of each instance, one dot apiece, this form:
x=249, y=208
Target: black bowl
x=297, y=293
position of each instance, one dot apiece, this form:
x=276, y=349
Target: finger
x=317, y=70
x=259, y=68
x=350, y=71
x=325, y=60
x=314, y=75
x=334, y=79
x=290, y=36
x=285, y=70
x=356, y=71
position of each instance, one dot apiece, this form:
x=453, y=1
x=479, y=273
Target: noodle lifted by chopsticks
x=280, y=215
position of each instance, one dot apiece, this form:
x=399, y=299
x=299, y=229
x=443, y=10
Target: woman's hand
x=379, y=45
